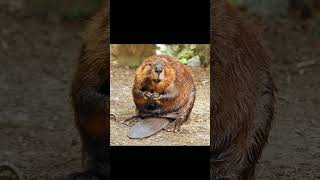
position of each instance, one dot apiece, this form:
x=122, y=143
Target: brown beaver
x=163, y=87
x=90, y=97
x=242, y=94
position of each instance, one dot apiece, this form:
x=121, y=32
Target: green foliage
x=185, y=52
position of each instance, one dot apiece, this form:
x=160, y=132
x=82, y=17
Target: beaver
x=90, y=97
x=242, y=94
x=163, y=87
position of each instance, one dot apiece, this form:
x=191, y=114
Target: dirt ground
x=195, y=132
x=293, y=152
x=36, y=129
x=36, y=125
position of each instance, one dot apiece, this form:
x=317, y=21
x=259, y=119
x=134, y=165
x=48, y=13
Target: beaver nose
x=158, y=69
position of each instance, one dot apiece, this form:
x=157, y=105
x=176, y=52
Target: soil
x=195, y=132
x=36, y=125
x=293, y=151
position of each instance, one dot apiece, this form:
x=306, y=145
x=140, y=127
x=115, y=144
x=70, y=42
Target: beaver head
x=157, y=72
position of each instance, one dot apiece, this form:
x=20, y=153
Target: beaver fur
x=242, y=94
x=90, y=96
x=163, y=87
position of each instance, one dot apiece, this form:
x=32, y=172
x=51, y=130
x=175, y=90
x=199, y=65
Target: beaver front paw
x=147, y=95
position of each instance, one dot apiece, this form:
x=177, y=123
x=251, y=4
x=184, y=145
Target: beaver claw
x=147, y=94
x=174, y=126
x=130, y=121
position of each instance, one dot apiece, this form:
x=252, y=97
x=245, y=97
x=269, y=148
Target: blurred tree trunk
x=131, y=55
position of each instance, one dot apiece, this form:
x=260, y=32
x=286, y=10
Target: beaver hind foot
x=131, y=120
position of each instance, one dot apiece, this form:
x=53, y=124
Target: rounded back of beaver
x=90, y=93
x=92, y=71
x=242, y=99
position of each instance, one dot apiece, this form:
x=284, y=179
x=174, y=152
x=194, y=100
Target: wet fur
x=90, y=94
x=242, y=94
